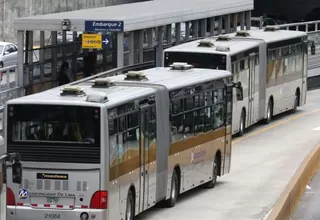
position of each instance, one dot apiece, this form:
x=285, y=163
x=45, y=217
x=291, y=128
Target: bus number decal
x=51, y=216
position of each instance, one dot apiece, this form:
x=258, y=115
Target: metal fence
x=8, y=88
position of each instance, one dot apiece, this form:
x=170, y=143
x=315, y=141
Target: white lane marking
x=316, y=129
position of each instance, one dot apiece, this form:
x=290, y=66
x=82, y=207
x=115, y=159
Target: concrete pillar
x=248, y=20
x=234, y=22
x=64, y=48
x=203, y=27
x=220, y=23
x=150, y=37
x=131, y=47
x=120, y=50
x=20, y=73
x=74, y=56
x=227, y=23
x=41, y=59
x=242, y=18
x=30, y=57
x=195, y=28
x=187, y=31
x=54, y=60
x=169, y=33
x=159, y=49
x=211, y=25
x=178, y=33
x=138, y=46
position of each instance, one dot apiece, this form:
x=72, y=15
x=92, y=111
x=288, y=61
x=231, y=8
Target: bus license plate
x=52, y=200
x=51, y=216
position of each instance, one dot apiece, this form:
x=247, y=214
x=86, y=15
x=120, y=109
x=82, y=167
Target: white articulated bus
x=111, y=148
x=270, y=63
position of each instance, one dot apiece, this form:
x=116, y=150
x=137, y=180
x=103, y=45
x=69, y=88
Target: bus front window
x=198, y=60
x=50, y=129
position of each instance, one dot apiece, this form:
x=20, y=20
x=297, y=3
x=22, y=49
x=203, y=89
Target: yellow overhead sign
x=91, y=41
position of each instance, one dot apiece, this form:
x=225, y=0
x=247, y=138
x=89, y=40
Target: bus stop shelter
x=128, y=30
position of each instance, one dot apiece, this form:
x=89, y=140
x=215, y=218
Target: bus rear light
x=99, y=200
x=10, y=197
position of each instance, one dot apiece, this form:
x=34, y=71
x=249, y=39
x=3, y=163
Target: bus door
x=251, y=89
x=144, y=156
x=228, y=122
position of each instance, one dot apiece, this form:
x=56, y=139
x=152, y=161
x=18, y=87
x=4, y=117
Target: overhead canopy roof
x=137, y=16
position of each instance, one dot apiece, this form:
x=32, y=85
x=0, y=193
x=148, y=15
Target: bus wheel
x=213, y=181
x=269, y=113
x=242, y=124
x=174, y=190
x=130, y=206
x=295, y=104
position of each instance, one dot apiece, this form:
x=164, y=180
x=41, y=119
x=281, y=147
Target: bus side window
x=218, y=109
x=176, y=120
x=113, y=143
x=131, y=143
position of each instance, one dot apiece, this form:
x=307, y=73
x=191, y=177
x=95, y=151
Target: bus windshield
x=53, y=123
x=198, y=60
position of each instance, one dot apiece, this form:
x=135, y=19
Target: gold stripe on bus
x=134, y=162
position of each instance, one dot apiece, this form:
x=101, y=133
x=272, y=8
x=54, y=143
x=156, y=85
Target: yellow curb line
x=290, y=197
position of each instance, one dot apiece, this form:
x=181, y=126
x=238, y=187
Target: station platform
x=308, y=208
x=263, y=162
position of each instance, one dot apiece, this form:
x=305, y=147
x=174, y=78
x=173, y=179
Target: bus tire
x=295, y=106
x=174, y=190
x=130, y=206
x=241, y=124
x=269, y=113
x=212, y=183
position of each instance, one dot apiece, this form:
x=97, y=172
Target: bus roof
x=118, y=94
x=115, y=94
x=272, y=36
x=175, y=79
x=235, y=46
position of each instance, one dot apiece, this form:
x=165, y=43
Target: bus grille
x=57, y=185
x=57, y=154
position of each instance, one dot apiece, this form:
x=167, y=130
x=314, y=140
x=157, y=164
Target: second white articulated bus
x=270, y=63
x=111, y=148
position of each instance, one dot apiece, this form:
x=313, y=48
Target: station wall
x=11, y=9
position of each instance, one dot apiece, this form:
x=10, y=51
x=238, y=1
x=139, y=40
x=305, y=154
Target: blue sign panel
x=105, y=40
x=103, y=26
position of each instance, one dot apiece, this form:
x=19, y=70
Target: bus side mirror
x=239, y=91
x=17, y=172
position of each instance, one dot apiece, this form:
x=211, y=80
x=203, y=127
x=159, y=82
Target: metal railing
x=8, y=88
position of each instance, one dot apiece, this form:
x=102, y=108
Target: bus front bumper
x=28, y=213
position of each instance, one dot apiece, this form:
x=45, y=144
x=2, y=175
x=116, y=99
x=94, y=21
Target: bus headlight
x=84, y=216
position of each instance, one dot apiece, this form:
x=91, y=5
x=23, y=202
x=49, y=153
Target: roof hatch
x=242, y=33
x=72, y=90
x=223, y=38
x=102, y=82
x=205, y=43
x=271, y=28
x=135, y=75
x=181, y=66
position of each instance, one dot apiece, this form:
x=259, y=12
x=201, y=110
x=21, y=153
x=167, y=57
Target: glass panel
x=199, y=60
x=54, y=124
